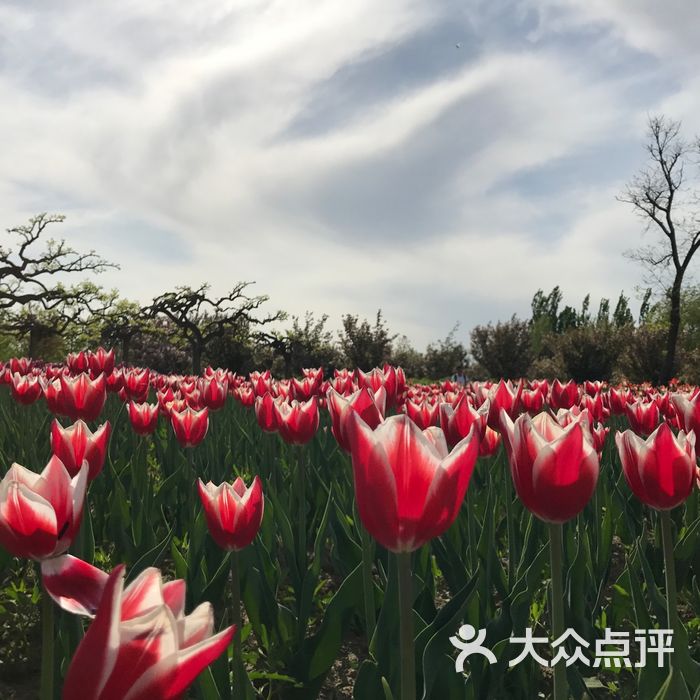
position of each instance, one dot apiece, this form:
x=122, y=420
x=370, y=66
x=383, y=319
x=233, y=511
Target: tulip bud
x=408, y=487
x=660, y=471
x=233, y=512
x=554, y=469
x=40, y=513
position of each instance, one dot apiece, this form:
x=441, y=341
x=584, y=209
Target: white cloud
x=162, y=130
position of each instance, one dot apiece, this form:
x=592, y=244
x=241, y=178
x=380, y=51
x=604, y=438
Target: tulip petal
x=196, y=626
x=667, y=472
x=144, y=641
x=375, y=484
x=143, y=594
x=75, y=585
x=174, y=596
x=632, y=450
x=171, y=676
x=448, y=488
x=565, y=474
x=96, y=655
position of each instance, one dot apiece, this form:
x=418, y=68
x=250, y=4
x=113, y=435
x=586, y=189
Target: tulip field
x=345, y=536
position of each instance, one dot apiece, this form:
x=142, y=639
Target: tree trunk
x=33, y=343
x=196, y=359
x=126, y=347
x=673, y=329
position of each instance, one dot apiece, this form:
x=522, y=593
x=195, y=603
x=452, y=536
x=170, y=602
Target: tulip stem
x=237, y=661
x=670, y=570
x=301, y=484
x=408, y=654
x=47, y=632
x=367, y=583
x=512, y=554
x=561, y=690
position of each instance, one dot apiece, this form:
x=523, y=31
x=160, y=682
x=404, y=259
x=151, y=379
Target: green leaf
x=432, y=645
x=150, y=558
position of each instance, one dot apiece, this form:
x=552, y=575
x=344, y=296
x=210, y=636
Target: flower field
x=225, y=536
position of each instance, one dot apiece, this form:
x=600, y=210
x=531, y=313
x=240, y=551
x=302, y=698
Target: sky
x=439, y=160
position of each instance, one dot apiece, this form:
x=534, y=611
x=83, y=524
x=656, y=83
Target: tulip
x=187, y=386
x=541, y=385
x=77, y=444
x=563, y=395
x=618, y=400
x=595, y=407
x=310, y=385
x=489, y=443
x=666, y=408
x=643, y=416
x=214, y=394
x=369, y=405
x=661, y=470
x=599, y=433
x=281, y=390
x=532, y=401
x=555, y=471
x=78, y=362
x=39, y=516
x=190, y=426
x=101, y=362
x=193, y=398
x=115, y=381
x=389, y=378
x=408, y=489
x=143, y=417
x=245, y=395
x=344, y=385
x=174, y=406
x=137, y=384
x=40, y=513
x=166, y=397
x=233, y=512
x=265, y=413
x=25, y=389
x=457, y=422
x=687, y=411
x=423, y=414
x=554, y=468
x=73, y=584
x=297, y=422
x=400, y=379
x=82, y=397
x=502, y=397
x=20, y=365
x=261, y=383
x=53, y=395
x=141, y=646
x=592, y=388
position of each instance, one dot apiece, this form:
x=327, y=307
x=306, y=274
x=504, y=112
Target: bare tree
x=31, y=275
x=664, y=196
x=200, y=320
